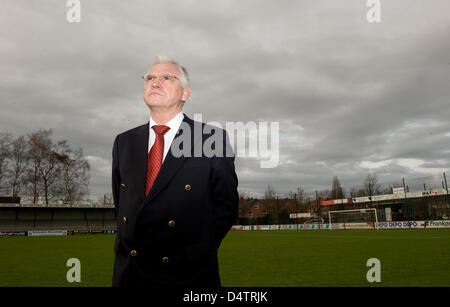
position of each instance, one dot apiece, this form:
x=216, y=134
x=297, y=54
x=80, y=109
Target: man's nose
x=156, y=83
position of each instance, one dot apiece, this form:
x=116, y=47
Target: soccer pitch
x=419, y=257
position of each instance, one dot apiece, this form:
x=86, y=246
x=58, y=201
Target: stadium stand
x=56, y=218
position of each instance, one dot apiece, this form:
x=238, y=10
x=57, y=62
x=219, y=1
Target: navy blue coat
x=171, y=236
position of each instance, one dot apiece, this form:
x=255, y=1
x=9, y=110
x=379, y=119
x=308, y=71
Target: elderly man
x=172, y=210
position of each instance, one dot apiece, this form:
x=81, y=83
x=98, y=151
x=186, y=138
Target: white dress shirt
x=173, y=124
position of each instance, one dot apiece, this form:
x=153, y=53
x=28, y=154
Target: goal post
x=354, y=219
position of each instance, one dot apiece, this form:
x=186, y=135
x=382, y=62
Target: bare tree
x=301, y=195
x=49, y=171
x=32, y=177
x=5, y=151
x=54, y=170
x=290, y=205
x=337, y=191
x=270, y=192
x=357, y=192
x=270, y=203
x=302, y=200
x=371, y=185
x=324, y=194
x=74, y=172
x=17, y=165
x=42, y=170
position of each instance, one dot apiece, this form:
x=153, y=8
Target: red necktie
x=155, y=156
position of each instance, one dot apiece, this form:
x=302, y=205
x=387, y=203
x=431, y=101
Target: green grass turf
x=251, y=258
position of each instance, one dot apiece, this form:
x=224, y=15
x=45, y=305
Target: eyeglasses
x=163, y=78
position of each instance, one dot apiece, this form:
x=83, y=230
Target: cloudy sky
x=351, y=97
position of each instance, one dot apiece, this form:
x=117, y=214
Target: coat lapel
x=167, y=171
x=169, y=167
x=140, y=154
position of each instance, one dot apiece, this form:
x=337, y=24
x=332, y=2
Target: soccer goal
x=354, y=219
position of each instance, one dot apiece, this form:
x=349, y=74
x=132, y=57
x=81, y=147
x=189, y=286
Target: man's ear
x=186, y=93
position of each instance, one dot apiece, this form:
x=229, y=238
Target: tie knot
x=160, y=129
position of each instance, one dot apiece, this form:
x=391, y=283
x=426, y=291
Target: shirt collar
x=173, y=124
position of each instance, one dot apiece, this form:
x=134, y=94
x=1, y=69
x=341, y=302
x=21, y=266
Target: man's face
x=165, y=94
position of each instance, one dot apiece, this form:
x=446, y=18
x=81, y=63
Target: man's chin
x=154, y=103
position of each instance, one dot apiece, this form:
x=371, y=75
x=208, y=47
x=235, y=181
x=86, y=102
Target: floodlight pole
x=309, y=204
x=329, y=218
x=278, y=220
x=446, y=190
x=318, y=207
x=296, y=211
x=406, y=199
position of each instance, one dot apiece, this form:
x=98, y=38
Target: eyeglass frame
x=144, y=77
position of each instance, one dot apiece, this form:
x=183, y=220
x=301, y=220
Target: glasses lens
x=160, y=78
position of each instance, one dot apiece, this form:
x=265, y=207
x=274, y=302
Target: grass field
x=258, y=258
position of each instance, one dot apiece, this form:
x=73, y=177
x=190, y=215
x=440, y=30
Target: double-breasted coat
x=171, y=237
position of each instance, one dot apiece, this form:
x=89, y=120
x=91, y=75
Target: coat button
x=133, y=253
x=124, y=219
x=165, y=259
x=187, y=187
x=171, y=223
x=122, y=185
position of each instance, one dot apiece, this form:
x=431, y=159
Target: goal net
x=354, y=219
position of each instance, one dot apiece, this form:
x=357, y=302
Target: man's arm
x=225, y=195
x=115, y=178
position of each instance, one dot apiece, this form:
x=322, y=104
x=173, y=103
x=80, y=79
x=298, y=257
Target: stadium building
x=17, y=217
x=398, y=206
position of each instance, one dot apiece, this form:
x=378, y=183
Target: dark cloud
x=351, y=97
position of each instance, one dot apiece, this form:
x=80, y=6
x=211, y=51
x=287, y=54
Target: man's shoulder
x=206, y=128
x=134, y=131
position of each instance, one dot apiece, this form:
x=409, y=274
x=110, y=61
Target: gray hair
x=162, y=59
